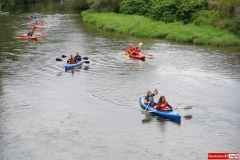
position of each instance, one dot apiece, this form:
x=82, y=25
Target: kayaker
x=36, y=24
x=130, y=49
x=30, y=33
x=71, y=60
x=163, y=104
x=136, y=51
x=77, y=57
x=149, y=100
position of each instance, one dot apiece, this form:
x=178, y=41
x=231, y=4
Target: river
x=93, y=112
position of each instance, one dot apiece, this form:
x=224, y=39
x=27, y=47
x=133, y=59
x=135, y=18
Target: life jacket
x=131, y=49
x=164, y=107
x=71, y=61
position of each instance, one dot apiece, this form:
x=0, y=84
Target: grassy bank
x=145, y=27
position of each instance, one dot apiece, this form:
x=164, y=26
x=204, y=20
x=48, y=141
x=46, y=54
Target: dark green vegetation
x=217, y=13
x=4, y=3
x=145, y=27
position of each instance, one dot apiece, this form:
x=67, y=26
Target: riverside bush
x=145, y=27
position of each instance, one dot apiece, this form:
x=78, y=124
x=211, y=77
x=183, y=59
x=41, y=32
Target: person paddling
x=36, y=24
x=163, y=105
x=71, y=60
x=30, y=33
x=130, y=49
x=149, y=100
x=77, y=57
x=136, y=51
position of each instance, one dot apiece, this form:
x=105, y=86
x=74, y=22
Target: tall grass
x=145, y=27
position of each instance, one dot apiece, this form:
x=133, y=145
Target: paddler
x=30, y=33
x=130, y=49
x=71, y=60
x=163, y=105
x=136, y=51
x=77, y=57
x=36, y=24
x=149, y=100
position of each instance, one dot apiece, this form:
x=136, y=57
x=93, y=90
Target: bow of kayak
x=137, y=56
x=172, y=115
x=71, y=66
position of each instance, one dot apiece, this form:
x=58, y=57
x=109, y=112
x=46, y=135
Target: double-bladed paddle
x=63, y=56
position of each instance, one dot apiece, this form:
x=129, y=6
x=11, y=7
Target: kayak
x=71, y=66
x=4, y=13
x=40, y=25
x=137, y=56
x=25, y=36
x=172, y=115
x=29, y=37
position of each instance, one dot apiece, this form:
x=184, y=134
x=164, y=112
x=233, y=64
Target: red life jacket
x=164, y=106
x=71, y=61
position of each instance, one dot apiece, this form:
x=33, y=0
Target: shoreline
x=145, y=27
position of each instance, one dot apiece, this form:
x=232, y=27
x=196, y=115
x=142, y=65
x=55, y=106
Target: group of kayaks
x=34, y=37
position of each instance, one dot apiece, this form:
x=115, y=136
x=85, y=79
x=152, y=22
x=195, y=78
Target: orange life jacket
x=164, y=107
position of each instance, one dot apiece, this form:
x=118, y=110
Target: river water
x=92, y=112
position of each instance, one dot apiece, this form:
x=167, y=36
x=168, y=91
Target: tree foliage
x=166, y=10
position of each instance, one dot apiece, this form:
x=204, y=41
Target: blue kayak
x=172, y=115
x=71, y=66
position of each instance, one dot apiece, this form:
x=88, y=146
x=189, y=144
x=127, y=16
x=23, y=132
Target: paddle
x=85, y=58
x=186, y=107
x=59, y=59
x=140, y=44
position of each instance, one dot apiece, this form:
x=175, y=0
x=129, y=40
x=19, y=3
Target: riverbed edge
x=145, y=27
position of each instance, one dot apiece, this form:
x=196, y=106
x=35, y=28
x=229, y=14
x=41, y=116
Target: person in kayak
x=36, y=24
x=71, y=60
x=163, y=105
x=149, y=100
x=30, y=33
x=136, y=51
x=77, y=57
x=130, y=49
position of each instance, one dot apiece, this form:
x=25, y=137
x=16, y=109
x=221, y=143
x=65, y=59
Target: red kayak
x=137, y=56
x=28, y=37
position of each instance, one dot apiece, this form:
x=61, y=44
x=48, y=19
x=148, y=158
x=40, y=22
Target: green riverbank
x=145, y=27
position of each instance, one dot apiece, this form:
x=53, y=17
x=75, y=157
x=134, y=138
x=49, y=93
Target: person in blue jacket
x=77, y=57
x=149, y=100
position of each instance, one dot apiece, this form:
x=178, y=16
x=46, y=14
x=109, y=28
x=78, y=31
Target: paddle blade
x=145, y=112
x=58, y=59
x=85, y=58
x=187, y=107
x=86, y=62
x=140, y=43
x=63, y=56
x=127, y=55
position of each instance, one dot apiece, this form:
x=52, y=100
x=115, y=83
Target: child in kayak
x=77, y=57
x=71, y=60
x=163, y=105
x=149, y=98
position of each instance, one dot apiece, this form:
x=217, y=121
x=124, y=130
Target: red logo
x=223, y=156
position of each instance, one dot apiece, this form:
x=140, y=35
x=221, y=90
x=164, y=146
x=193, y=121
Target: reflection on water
x=149, y=117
